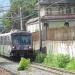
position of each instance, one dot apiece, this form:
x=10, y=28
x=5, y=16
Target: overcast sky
x=4, y=3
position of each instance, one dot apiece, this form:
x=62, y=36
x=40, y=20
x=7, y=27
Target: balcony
x=59, y=16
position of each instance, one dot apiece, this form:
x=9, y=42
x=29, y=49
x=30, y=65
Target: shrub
x=62, y=60
x=51, y=60
x=24, y=63
x=71, y=65
x=59, y=60
x=40, y=57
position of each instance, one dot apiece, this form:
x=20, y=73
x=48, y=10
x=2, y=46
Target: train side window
x=1, y=40
x=8, y=40
x=4, y=40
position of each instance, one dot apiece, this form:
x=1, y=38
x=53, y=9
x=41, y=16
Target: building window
x=74, y=10
x=49, y=11
x=68, y=10
x=61, y=10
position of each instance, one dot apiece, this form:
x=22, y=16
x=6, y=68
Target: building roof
x=32, y=20
x=56, y=1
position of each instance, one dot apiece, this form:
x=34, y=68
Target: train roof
x=14, y=31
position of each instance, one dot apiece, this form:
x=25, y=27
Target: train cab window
x=22, y=39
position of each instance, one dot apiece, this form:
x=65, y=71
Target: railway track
x=51, y=71
x=9, y=66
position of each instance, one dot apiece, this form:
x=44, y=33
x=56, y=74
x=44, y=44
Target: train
x=16, y=44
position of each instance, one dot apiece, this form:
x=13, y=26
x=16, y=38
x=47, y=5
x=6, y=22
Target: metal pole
x=21, y=24
x=40, y=36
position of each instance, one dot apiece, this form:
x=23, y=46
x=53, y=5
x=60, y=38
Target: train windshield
x=21, y=39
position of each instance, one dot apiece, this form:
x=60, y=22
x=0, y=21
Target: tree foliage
x=7, y=21
x=27, y=9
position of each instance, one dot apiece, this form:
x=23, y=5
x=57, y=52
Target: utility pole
x=40, y=33
x=12, y=21
x=21, y=24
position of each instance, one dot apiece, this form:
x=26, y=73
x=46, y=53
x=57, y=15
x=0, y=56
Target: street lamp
x=66, y=24
x=46, y=26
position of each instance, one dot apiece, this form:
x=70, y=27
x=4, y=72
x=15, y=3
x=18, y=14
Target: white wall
x=33, y=27
x=65, y=47
x=42, y=11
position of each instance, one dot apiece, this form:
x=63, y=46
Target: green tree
x=6, y=20
x=27, y=9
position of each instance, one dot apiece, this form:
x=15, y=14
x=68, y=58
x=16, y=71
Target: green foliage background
x=27, y=9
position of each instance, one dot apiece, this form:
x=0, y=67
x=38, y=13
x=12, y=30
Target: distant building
x=57, y=13
x=58, y=26
x=54, y=13
x=33, y=25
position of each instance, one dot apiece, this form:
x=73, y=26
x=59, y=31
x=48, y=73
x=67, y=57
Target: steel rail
x=57, y=71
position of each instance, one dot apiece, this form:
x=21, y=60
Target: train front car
x=22, y=44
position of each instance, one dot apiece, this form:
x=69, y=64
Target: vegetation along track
x=53, y=71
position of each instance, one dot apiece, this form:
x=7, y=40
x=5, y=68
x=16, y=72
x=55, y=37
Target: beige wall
x=42, y=11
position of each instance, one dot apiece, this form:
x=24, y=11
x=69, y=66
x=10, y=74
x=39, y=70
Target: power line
x=54, y=3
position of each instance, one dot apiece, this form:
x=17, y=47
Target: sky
x=4, y=3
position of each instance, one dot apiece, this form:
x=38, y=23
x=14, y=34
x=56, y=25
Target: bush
x=40, y=57
x=51, y=60
x=71, y=65
x=62, y=60
x=59, y=60
x=24, y=63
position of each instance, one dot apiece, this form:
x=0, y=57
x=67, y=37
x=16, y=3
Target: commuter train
x=16, y=44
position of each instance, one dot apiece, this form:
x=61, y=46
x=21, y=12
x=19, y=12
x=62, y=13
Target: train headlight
x=13, y=47
x=30, y=47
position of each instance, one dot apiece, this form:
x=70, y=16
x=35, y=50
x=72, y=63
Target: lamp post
x=66, y=24
x=46, y=26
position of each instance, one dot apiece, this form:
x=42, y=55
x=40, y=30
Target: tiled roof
x=56, y=1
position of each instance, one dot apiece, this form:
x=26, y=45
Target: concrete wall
x=65, y=47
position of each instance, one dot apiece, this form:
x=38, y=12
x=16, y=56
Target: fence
x=59, y=40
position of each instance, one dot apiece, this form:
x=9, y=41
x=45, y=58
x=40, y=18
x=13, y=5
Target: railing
x=59, y=16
